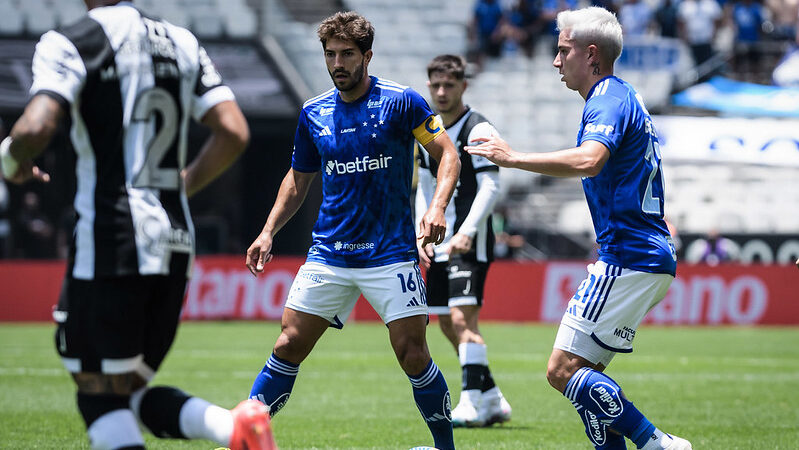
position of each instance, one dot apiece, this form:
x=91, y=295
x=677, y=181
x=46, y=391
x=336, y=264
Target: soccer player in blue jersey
x=360, y=135
x=618, y=158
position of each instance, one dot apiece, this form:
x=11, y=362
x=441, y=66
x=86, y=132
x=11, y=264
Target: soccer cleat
x=466, y=415
x=251, y=427
x=494, y=408
x=678, y=443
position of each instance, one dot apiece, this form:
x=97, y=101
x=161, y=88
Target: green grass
x=721, y=388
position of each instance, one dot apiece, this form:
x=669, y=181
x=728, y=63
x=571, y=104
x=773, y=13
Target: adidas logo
x=413, y=302
x=325, y=132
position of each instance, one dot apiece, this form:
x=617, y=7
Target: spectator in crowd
x=747, y=19
x=509, y=240
x=713, y=250
x=523, y=25
x=549, y=14
x=5, y=225
x=34, y=232
x=486, y=30
x=635, y=17
x=698, y=21
x=666, y=18
x=783, y=22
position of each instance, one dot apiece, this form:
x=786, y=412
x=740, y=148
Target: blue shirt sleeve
x=418, y=109
x=604, y=120
x=305, y=157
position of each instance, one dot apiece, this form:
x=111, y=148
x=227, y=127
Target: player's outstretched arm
x=586, y=160
x=29, y=137
x=229, y=137
x=292, y=193
x=433, y=225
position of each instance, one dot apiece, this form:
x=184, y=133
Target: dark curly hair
x=449, y=64
x=347, y=26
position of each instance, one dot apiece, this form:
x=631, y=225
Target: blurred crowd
x=517, y=26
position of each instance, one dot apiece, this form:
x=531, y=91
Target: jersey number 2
x=650, y=203
x=152, y=174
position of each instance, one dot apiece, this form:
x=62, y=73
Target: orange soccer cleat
x=252, y=429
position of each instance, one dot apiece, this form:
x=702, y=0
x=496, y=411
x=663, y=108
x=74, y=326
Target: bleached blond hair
x=594, y=25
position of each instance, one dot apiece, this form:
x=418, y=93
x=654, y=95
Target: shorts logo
x=596, y=431
x=606, y=398
x=626, y=333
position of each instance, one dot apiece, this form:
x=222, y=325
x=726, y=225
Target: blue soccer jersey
x=626, y=197
x=365, y=152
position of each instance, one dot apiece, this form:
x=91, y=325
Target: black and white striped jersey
x=130, y=83
x=469, y=210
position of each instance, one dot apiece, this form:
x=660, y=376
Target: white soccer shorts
x=611, y=303
x=395, y=291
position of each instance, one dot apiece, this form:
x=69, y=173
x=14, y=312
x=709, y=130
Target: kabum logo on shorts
x=365, y=164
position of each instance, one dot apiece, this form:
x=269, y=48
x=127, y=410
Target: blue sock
x=598, y=432
x=272, y=386
x=600, y=395
x=432, y=398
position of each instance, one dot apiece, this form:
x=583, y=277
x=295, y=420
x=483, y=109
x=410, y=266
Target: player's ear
x=368, y=55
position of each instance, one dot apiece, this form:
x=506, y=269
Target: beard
x=351, y=82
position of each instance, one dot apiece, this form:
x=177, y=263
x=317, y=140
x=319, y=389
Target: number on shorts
x=152, y=175
x=410, y=285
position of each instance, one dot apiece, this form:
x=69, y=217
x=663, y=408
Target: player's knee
x=558, y=375
x=291, y=347
x=123, y=384
x=413, y=358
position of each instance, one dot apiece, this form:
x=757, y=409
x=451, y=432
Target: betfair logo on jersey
x=352, y=246
x=365, y=164
x=326, y=111
x=594, y=128
x=374, y=104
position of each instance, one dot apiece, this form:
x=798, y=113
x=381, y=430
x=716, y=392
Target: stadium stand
x=522, y=95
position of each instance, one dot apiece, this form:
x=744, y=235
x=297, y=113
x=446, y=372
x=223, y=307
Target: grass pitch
x=721, y=388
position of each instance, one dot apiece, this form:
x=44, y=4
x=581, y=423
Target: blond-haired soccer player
x=618, y=158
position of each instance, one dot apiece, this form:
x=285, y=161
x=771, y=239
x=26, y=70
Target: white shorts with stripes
x=611, y=303
x=395, y=291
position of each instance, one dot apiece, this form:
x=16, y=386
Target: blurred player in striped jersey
x=618, y=159
x=360, y=136
x=130, y=83
x=457, y=268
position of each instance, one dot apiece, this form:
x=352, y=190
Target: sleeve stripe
x=55, y=96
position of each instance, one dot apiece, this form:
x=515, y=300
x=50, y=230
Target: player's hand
x=426, y=254
x=460, y=243
x=432, y=227
x=27, y=171
x=259, y=253
x=494, y=148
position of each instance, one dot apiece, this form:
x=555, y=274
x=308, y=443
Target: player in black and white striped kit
x=457, y=267
x=130, y=83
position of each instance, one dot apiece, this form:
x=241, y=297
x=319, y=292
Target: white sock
x=200, y=419
x=658, y=441
x=115, y=429
x=472, y=353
